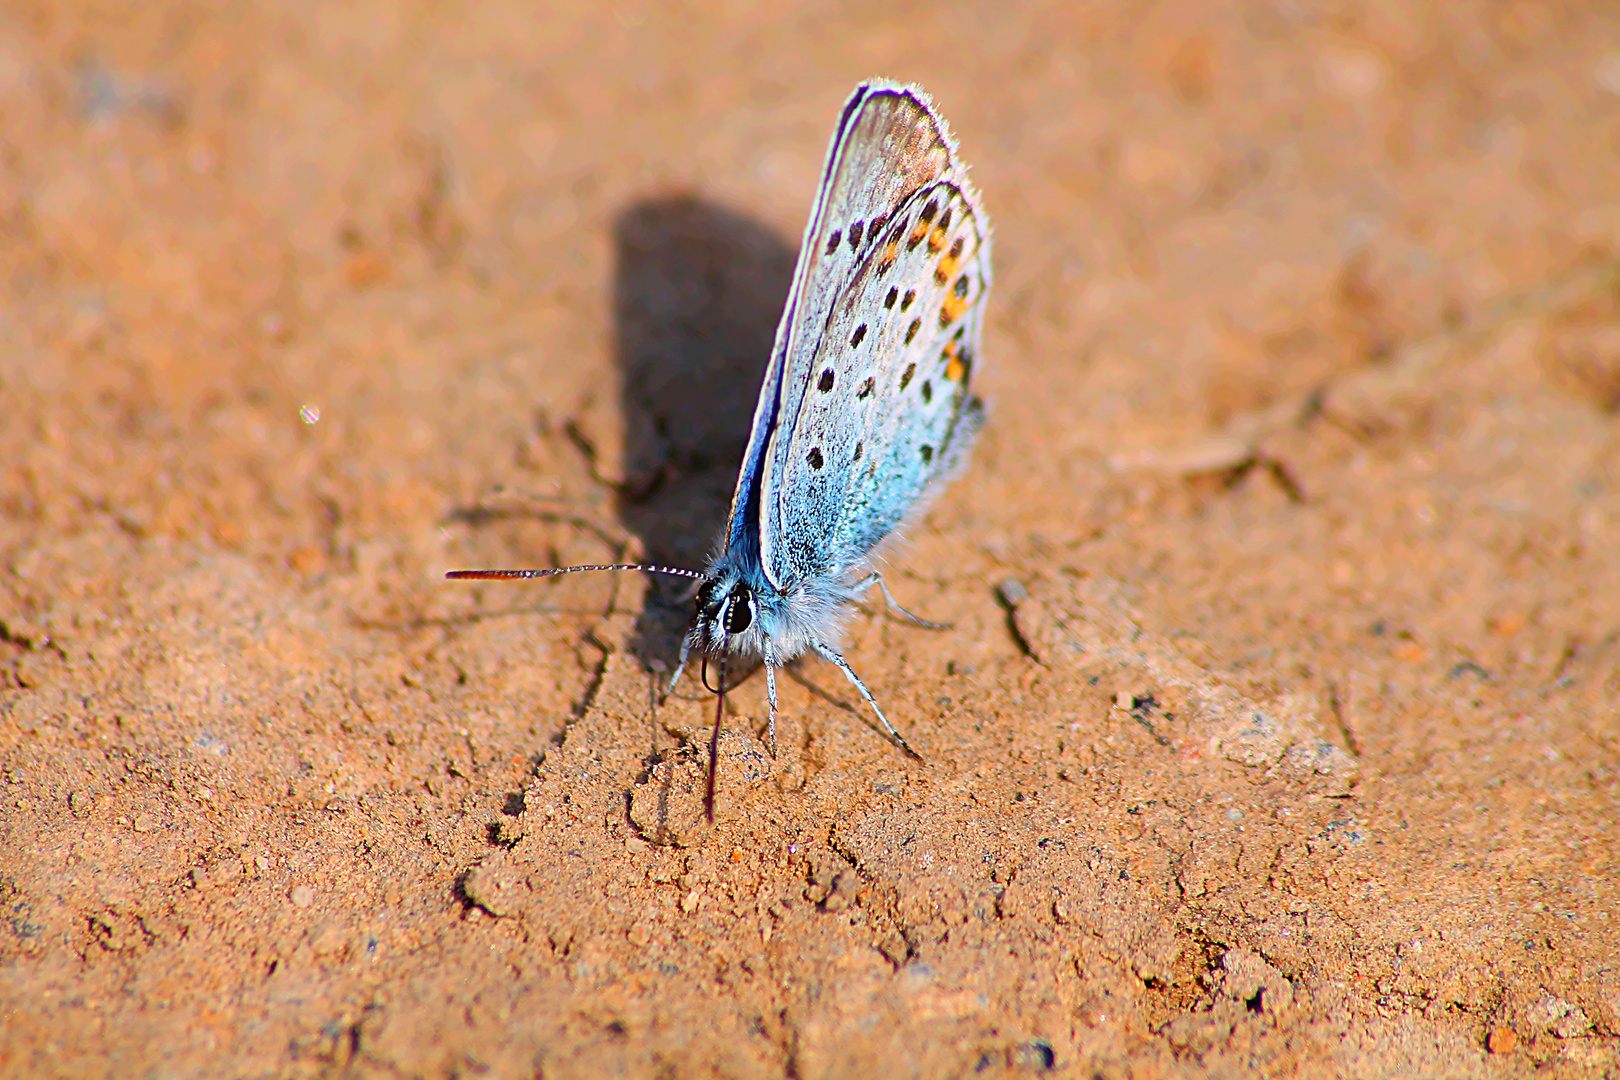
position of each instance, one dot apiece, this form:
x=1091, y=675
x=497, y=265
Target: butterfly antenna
x=508, y=575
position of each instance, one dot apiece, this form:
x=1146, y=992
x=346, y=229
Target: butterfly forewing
x=883, y=149
x=889, y=144
x=885, y=406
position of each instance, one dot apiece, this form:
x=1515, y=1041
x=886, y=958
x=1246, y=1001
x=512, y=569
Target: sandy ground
x=1277, y=732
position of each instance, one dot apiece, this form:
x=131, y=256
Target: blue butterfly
x=866, y=400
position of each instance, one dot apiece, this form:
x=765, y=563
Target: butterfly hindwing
x=926, y=415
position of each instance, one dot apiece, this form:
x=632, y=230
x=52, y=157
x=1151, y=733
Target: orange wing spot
x=951, y=310
x=918, y=231
x=945, y=270
x=936, y=240
x=886, y=259
x=955, y=369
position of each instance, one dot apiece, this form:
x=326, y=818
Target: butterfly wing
x=888, y=144
x=875, y=401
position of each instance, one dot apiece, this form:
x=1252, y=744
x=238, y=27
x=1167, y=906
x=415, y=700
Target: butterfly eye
x=739, y=611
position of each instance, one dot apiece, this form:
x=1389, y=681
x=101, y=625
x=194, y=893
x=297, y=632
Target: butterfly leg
x=875, y=578
x=833, y=656
x=770, y=692
x=686, y=651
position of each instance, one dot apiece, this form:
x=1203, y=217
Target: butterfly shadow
x=697, y=293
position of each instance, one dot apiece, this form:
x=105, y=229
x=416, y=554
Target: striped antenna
x=507, y=575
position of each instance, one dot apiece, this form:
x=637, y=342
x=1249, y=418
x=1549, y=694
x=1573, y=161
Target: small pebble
x=302, y=895
x=1012, y=592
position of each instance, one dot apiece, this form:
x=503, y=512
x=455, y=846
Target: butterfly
x=865, y=404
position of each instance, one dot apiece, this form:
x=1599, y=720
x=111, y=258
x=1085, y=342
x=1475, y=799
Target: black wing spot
x=945, y=219
x=911, y=369
x=857, y=456
x=855, y=338
x=961, y=287
x=911, y=332
x=832, y=241
x=927, y=392
x=876, y=227
x=815, y=458
x=826, y=382
x=931, y=209
x=956, y=248
x=894, y=294
x=867, y=387
x=905, y=303
x=927, y=453
x=855, y=235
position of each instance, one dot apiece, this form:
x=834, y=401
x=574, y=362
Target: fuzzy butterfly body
x=865, y=403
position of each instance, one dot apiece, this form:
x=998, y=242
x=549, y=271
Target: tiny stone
x=509, y=831
x=1012, y=592
x=692, y=901
x=845, y=887
x=1034, y=1056
x=497, y=886
x=302, y=895
x=1501, y=1041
